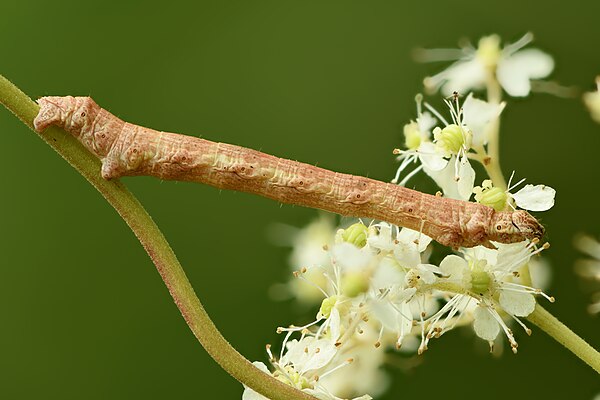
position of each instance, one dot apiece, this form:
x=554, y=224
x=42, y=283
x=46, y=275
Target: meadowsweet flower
x=530, y=197
x=446, y=158
x=511, y=66
x=301, y=365
x=592, y=101
x=486, y=278
x=420, y=148
x=309, y=250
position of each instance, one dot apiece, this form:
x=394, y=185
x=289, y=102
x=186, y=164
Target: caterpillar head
x=512, y=227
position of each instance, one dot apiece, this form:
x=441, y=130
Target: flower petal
x=517, y=303
x=515, y=72
x=445, y=179
x=335, y=327
x=413, y=238
x=430, y=157
x=485, y=325
x=454, y=267
x=535, y=198
x=459, y=77
x=466, y=178
x=477, y=114
x=350, y=257
x=426, y=122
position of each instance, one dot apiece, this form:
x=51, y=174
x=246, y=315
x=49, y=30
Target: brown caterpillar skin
x=130, y=150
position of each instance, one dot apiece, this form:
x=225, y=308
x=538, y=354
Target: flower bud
x=480, y=278
x=491, y=196
x=327, y=305
x=452, y=138
x=356, y=234
x=488, y=51
x=412, y=136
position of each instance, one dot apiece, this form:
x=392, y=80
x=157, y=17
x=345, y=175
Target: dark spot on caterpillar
x=358, y=196
x=83, y=114
x=252, y=166
x=183, y=158
x=135, y=150
x=499, y=227
x=300, y=183
x=410, y=210
x=103, y=136
x=243, y=169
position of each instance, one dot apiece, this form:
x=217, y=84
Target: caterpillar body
x=131, y=150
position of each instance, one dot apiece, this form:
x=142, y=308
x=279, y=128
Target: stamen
x=436, y=55
x=522, y=42
x=347, y=362
x=268, y=348
x=506, y=329
x=434, y=112
x=410, y=175
x=319, y=288
x=525, y=328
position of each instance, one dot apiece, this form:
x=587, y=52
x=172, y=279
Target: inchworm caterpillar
x=128, y=150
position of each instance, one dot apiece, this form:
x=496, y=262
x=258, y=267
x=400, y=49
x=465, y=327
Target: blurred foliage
x=85, y=315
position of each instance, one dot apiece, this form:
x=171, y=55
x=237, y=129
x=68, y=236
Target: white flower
x=477, y=115
x=420, y=148
x=513, y=68
x=486, y=277
x=445, y=159
x=309, y=251
x=535, y=198
x=530, y=197
x=592, y=101
x=299, y=367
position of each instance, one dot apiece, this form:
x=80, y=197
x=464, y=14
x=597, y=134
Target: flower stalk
x=157, y=247
x=565, y=336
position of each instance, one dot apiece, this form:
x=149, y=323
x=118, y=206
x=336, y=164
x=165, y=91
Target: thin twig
x=157, y=248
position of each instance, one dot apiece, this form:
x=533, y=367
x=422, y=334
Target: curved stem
x=157, y=247
x=563, y=335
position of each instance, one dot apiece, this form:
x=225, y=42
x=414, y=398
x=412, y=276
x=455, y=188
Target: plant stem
x=157, y=247
x=565, y=336
x=492, y=167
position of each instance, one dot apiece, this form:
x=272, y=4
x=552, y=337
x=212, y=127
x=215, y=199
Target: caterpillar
x=131, y=150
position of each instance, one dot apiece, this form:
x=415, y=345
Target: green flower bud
x=327, y=305
x=488, y=51
x=412, y=136
x=292, y=378
x=354, y=283
x=480, y=279
x=356, y=234
x=452, y=138
x=490, y=196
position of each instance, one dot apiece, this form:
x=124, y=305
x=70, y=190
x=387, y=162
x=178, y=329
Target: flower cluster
x=475, y=68
x=374, y=286
x=378, y=291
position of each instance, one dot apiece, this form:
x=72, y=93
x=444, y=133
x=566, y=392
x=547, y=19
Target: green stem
x=563, y=335
x=157, y=247
x=492, y=164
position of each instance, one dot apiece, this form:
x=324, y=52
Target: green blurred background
x=84, y=313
